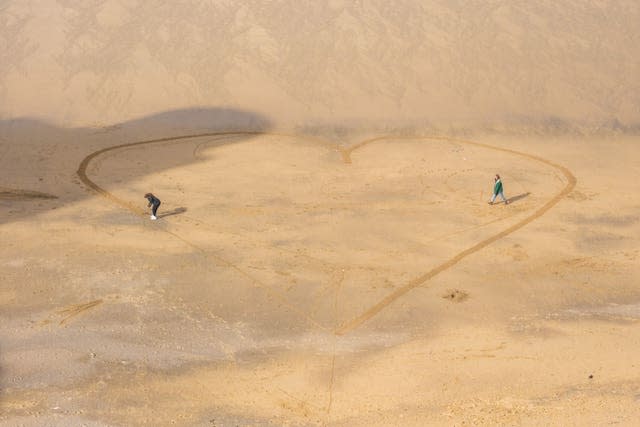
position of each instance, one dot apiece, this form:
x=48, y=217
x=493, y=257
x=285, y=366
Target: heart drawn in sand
x=303, y=216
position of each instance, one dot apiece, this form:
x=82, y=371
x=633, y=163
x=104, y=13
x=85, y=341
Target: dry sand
x=325, y=254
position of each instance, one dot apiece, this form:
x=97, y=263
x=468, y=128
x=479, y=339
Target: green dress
x=497, y=188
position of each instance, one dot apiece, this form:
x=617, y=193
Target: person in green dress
x=498, y=191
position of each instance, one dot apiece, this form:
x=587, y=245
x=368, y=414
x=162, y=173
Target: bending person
x=155, y=202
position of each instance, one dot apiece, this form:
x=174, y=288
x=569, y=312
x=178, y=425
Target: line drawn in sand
x=420, y=280
x=74, y=310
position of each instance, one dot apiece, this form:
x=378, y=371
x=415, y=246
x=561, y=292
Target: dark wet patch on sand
x=9, y=194
x=455, y=295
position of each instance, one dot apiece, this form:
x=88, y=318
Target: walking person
x=154, y=204
x=498, y=191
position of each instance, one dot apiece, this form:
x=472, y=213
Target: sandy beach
x=324, y=253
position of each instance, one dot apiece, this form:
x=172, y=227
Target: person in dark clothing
x=155, y=202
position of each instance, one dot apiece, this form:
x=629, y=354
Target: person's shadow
x=518, y=197
x=176, y=211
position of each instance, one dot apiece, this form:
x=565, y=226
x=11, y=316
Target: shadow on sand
x=176, y=211
x=38, y=160
x=518, y=197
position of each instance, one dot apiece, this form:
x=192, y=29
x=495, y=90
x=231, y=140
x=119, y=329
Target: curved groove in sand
x=418, y=281
x=82, y=174
x=82, y=168
x=346, y=157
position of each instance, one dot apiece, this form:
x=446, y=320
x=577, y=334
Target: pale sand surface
x=308, y=271
x=228, y=309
